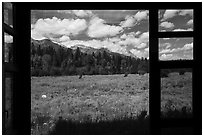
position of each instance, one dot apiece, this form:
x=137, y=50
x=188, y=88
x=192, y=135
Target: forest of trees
x=52, y=61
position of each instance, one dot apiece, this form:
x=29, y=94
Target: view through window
x=90, y=69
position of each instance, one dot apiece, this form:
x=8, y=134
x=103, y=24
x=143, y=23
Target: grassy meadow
x=103, y=99
x=176, y=93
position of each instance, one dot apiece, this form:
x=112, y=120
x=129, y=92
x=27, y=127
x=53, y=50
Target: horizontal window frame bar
x=176, y=64
x=177, y=34
x=184, y=122
x=109, y=5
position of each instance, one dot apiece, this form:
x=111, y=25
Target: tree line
x=50, y=61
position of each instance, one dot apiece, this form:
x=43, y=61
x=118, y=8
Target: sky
x=175, y=48
x=122, y=31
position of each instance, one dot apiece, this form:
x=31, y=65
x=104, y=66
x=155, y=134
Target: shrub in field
x=126, y=74
x=173, y=112
x=181, y=72
x=55, y=71
x=141, y=72
x=164, y=73
x=80, y=76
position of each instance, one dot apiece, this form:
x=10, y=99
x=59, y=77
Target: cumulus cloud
x=64, y=38
x=117, y=44
x=144, y=37
x=165, y=38
x=141, y=15
x=140, y=53
x=190, y=22
x=186, y=12
x=65, y=11
x=171, y=13
x=82, y=13
x=98, y=28
x=142, y=45
x=132, y=39
x=189, y=29
x=167, y=25
x=166, y=45
x=131, y=21
x=131, y=34
x=54, y=27
x=37, y=35
x=79, y=13
x=188, y=46
x=166, y=57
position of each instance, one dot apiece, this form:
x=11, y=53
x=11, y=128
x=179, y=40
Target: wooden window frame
x=22, y=81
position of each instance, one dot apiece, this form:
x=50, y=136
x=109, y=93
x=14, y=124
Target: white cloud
x=169, y=14
x=140, y=53
x=79, y=13
x=186, y=12
x=134, y=40
x=142, y=45
x=52, y=27
x=167, y=25
x=36, y=35
x=190, y=22
x=141, y=15
x=131, y=34
x=64, y=38
x=82, y=13
x=166, y=57
x=188, y=46
x=166, y=45
x=138, y=32
x=146, y=49
x=116, y=44
x=65, y=11
x=8, y=38
x=165, y=38
x=189, y=29
x=129, y=22
x=98, y=28
x=144, y=37
x=130, y=41
x=165, y=51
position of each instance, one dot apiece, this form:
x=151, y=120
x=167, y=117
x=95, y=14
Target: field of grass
x=176, y=93
x=90, y=99
x=113, y=101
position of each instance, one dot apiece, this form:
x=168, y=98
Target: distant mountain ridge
x=49, y=58
x=85, y=49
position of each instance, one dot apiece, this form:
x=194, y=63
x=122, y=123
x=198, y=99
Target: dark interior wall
x=22, y=91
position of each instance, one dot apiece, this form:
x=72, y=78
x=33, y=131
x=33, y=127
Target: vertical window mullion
x=154, y=94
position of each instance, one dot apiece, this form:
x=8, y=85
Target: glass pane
x=8, y=13
x=96, y=65
x=175, y=48
x=8, y=102
x=176, y=93
x=8, y=48
x=176, y=20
